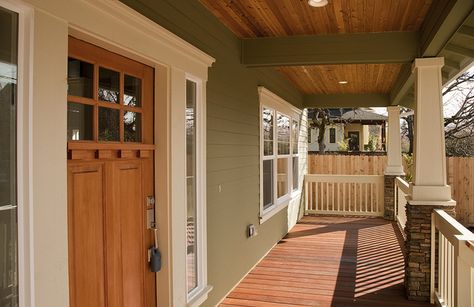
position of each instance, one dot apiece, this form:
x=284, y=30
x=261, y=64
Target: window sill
x=199, y=298
x=283, y=203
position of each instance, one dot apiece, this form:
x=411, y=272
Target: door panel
x=86, y=232
x=132, y=226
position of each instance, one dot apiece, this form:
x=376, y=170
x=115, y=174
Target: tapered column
x=394, y=166
x=428, y=190
x=429, y=179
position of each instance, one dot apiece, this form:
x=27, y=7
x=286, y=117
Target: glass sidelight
x=8, y=200
x=191, y=244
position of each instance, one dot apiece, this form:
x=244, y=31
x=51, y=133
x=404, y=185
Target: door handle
x=154, y=254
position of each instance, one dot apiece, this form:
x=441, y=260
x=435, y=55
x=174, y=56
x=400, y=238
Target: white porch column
x=429, y=178
x=394, y=144
x=429, y=189
x=394, y=166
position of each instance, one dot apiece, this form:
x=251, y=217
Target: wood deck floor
x=329, y=261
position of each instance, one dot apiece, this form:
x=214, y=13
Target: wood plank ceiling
x=282, y=18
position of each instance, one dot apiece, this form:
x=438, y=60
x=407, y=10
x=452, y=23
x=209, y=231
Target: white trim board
x=112, y=25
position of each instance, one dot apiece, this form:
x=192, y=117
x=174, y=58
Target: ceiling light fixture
x=317, y=3
x=343, y=82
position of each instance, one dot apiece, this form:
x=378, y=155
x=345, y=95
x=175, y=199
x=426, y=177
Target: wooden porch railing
x=344, y=194
x=455, y=263
x=401, y=191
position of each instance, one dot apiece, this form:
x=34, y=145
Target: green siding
x=232, y=141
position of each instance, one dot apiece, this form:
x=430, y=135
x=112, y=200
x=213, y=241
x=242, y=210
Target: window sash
x=291, y=143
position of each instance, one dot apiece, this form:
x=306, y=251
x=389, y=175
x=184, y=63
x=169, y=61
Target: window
x=8, y=174
x=191, y=246
x=294, y=141
x=279, y=153
x=196, y=262
x=332, y=135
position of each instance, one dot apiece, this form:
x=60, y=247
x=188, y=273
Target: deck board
x=329, y=262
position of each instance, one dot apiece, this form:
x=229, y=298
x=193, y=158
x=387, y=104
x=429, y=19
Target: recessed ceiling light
x=343, y=82
x=317, y=3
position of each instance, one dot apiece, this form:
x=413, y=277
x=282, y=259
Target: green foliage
x=373, y=143
x=343, y=145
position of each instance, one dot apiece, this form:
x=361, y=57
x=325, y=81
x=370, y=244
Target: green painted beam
x=451, y=64
x=466, y=31
x=403, y=85
x=345, y=100
x=444, y=18
x=392, y=47
x=467, y=52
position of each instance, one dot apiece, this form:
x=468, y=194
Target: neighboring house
x=355, y=127
x=135, y=127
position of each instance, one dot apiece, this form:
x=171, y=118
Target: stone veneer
x=418, y=250
x=389, y=197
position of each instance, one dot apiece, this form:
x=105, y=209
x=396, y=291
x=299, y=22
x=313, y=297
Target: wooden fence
x=460, y=172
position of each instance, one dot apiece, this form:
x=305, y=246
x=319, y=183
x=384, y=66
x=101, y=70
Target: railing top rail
x=344, y=178
x=451, y=228
x=402, y=185
x=340, y=175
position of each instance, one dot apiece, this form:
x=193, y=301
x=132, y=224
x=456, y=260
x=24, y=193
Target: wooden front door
x=110, y=178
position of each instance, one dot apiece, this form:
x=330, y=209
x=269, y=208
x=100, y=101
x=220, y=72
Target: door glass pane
x=80, y=77
x=109, y=124
x=132, y=126
x=79, y=121
x=8, y=202
x=191, y=257
x=109, y=85
x=282, y=177
x=267, y=184
x=283, y=134
x=133, y=91
x=267, y=122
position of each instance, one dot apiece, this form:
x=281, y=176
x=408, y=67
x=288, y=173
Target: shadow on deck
x=329, y=261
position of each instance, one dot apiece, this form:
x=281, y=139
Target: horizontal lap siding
x=232, y=142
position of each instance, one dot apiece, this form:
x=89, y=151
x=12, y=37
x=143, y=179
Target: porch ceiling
x=361, y=78
x=370, y=44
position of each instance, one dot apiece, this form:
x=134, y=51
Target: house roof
x=362, y=115
x=370, y=44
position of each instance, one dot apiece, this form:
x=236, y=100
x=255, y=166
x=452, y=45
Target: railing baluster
x=333, y=205
x=366, y=196
x=315, y=195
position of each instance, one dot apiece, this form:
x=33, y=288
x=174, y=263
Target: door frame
x=113, y=26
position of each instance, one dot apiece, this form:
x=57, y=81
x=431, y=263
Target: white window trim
x=199, y=294
x=24, y=157
x=272, y=101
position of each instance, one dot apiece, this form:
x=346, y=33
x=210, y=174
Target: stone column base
x=389, y=197
x=418, y=250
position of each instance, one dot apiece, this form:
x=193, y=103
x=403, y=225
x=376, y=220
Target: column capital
x=427, y=62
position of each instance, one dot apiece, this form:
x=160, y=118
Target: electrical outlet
x=251, y=231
